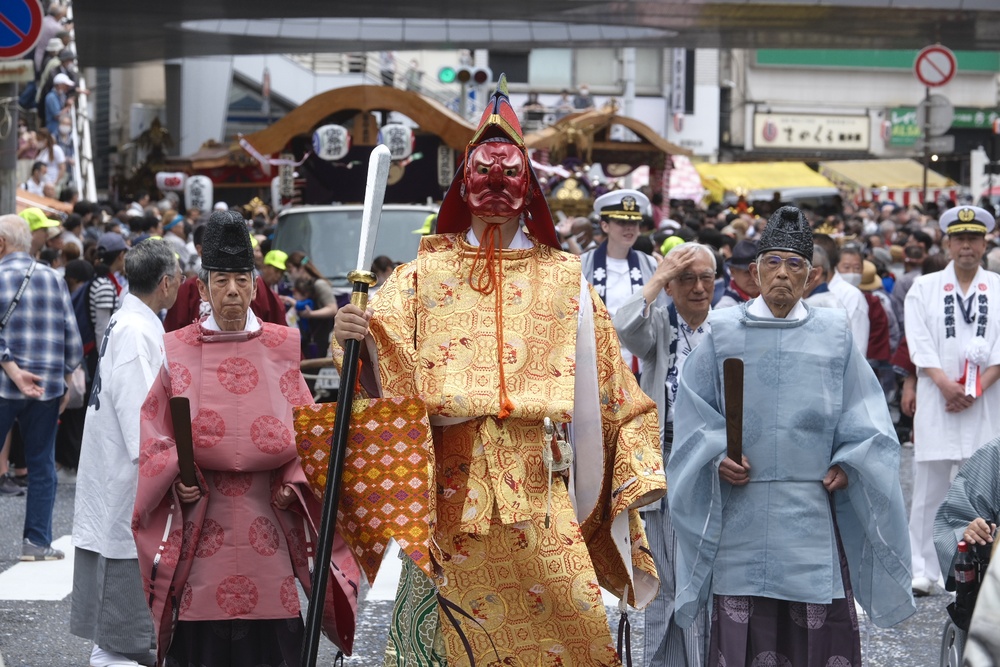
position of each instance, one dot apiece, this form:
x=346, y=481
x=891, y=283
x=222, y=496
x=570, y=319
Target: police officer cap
x=967, y=220
x=622, y=205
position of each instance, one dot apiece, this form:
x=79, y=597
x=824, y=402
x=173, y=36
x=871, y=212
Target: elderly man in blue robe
x=812, y=515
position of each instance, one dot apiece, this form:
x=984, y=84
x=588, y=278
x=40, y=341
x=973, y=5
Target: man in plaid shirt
x=39, y=347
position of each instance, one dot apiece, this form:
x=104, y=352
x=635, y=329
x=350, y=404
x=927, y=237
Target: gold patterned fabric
x=535, y=589
x=385, y=486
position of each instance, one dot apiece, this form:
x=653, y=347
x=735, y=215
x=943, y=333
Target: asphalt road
x=35, y=632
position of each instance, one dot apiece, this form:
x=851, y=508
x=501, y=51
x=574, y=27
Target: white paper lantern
x=331, y=142
x=198, y=193
x=171, y=180
x=398, y=138
x=276, y=203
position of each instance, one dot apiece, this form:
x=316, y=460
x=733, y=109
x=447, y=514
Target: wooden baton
x=732, y=380
x=180, y=415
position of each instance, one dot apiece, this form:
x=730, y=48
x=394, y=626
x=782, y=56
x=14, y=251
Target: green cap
x=277, y=258
x=37, y=219
x=669, y=244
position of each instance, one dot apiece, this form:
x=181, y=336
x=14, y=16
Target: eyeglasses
x=689, y=279
x=794, y=264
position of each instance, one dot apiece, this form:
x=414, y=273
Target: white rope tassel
x=557, y=456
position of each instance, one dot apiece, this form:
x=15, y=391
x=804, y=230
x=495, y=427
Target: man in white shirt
x=953, y=334
x=817, y=291
x=849, y=295
x=109, y=605
x=36, y=182
x=139, y=203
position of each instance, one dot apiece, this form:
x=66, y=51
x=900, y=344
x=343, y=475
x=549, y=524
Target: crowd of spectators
x=86, y=249
x=868, y=255
x=877, y=249
x=46, y=104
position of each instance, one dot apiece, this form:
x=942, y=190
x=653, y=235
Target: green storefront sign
x=905, y=131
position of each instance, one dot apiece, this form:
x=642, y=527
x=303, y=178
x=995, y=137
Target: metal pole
x=362, y=279
x=991, y=159
x=628, y=99
x=331, y=499
x=8, y=150
x=85, y=157
x=927, y=139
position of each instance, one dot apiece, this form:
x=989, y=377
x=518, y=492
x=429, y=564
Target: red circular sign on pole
x=20, y=26
x=935, y=65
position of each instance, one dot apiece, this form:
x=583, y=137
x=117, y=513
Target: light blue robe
x=810, y=401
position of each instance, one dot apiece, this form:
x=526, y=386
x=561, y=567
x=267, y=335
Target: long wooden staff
x=180, y=416
x=363, y=278
x=732, y=380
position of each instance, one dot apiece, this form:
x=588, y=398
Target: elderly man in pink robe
x=222, y=557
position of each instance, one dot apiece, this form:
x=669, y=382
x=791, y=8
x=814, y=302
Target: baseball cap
x=744, y=253
x=111, y=242
x=277, y=258
x=37, y=219
x=61, y=79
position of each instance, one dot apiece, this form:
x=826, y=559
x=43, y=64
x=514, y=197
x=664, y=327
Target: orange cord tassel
x=357, y=380
x=488, y=280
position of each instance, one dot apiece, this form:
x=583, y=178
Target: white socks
x=101, y=658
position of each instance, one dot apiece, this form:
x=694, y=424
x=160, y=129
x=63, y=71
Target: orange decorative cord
x=490, y=278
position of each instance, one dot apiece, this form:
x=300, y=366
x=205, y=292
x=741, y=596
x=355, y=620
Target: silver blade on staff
x=362, y=278
x=371, y=215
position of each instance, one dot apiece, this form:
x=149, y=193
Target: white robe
x=857, y=310
x=109, y=454
x=941, y=435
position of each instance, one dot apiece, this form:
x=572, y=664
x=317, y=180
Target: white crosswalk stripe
x=53, y=580
x=40, y=580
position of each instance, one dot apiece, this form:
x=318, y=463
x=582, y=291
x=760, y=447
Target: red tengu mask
x=496, y=182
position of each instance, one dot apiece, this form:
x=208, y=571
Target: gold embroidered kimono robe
x=533, y=589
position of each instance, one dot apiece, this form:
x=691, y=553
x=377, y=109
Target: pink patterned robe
x=232, y=554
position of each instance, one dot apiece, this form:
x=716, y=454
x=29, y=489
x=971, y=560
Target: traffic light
x=474, y=75
x=447, y=74
x=465, y=75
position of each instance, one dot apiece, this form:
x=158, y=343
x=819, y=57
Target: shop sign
x=905, y=130
x=811, y=132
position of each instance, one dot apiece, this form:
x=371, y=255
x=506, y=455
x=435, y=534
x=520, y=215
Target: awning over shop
x=900, y=181
x=685, y=182
x=758, y=180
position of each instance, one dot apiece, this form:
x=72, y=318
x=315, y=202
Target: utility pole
x=628, y=100
x=927, y=141
x=8, y=148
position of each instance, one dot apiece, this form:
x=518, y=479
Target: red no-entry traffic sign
x=20, y=26
x=935, y=65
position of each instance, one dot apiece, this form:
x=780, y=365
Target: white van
x=330, y=236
